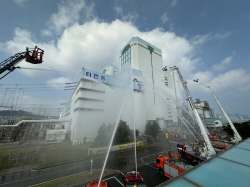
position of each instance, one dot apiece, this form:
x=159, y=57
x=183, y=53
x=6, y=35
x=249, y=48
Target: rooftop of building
x=229, y=168
x=134, y=39
x=108, y=66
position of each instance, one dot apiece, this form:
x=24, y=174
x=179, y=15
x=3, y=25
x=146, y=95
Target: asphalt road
x=150, y=177
x=122, y=161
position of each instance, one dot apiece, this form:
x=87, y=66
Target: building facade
x=207, y=115
x=137, y=91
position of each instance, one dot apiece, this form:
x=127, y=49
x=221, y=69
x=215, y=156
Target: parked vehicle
x=171, y=165
x=95, y=184
x=133, y=179
x=187, y=152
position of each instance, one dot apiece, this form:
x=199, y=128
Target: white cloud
x=46, y=33
x=236, y=80
x=221, y=35
x=221, y=66
x=68, y=14
x=164, y=18
x=58, y=82
x=94, y=44
x=19, y=1
x=233, y=79
x=204, y=12
x=118, y=10
x=173, y=3
x=130, y=17
x=198, y=40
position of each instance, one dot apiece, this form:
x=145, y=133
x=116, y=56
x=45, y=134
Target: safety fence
x=56, y=158
x=19, y=159
x=42, y=158
x=24, y=158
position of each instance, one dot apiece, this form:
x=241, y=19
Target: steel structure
x=208, y=144
x=237, y=136
x=11, y=133
x=33, y=56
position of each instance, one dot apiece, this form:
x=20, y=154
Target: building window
x=166, y=81
x=91, y=90
x=89, y=109
x=126, y=57
x=89, y=99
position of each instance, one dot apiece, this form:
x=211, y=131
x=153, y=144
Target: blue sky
x=205, y=39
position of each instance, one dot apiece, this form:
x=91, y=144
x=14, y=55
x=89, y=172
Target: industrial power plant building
x=136, y=91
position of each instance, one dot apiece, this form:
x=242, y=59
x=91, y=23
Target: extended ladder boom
x=34, y=56
x=11, y=62
x=237, y=136
x=211, y=150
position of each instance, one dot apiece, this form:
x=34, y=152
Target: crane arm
x=211, y=150
x=10, y=62
x=34, y=56
x=236, y=134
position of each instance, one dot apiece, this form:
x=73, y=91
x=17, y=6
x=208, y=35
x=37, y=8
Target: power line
x=63, y=65
x=37, y=104
x=43, y=70
x=32, y=87
x=31, y=90
x=42, y=84
x=47, y=90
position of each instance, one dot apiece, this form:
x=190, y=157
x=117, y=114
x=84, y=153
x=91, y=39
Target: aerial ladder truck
x=33, y=56
x=209, y=150
x=237, y=137
x=172, y=165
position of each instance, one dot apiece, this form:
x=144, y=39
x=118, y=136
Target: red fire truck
x=95, y=184
x=133, y=179
x=187, y=152
x=170, y=165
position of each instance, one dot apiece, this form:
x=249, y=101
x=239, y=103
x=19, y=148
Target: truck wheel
x=161, y=172
x=194, y=161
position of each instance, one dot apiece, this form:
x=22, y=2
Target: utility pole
x=4, y=96
x=12, y=102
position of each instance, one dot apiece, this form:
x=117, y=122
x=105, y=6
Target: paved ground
x=150, y=176
x=122, y=161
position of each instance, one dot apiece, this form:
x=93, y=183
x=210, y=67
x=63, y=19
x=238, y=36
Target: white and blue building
x=137, y=84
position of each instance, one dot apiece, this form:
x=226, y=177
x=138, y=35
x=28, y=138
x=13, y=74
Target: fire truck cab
x=133, y=179
x=170, y=165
